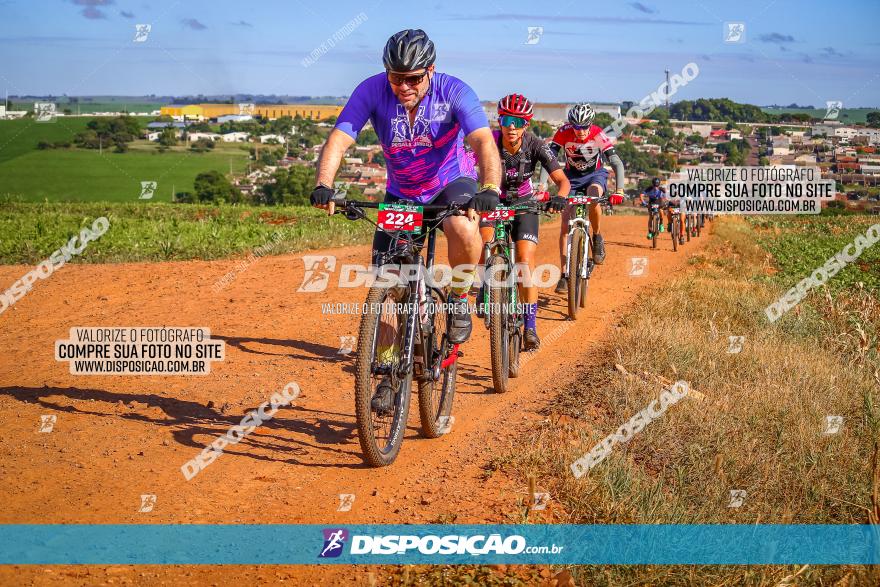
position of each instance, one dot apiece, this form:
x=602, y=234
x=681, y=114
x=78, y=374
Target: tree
x=873, y=119
x=603, y=120
x=212, y=186
x=368, y=137
x=542, y=129
x=168, y=137
x=379, y=157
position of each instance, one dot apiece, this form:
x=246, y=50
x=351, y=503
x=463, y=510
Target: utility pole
x=667, y=90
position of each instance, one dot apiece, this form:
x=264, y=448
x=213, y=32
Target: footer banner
x=116, y=544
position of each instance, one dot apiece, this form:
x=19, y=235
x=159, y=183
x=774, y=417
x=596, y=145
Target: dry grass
x=759, y=427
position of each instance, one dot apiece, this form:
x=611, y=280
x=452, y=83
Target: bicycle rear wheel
x=688, y=227
x=574, y=273
x=499, y=335
x=380, y=351
x=435, y=396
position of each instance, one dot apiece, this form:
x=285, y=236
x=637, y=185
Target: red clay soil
x=118, y=437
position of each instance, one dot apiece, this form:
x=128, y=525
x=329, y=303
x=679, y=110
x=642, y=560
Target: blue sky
x=794, y=51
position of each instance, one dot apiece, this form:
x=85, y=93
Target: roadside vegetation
x=29, y=232
x=756, y=423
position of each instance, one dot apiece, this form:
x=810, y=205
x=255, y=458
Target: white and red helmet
x=515, y=105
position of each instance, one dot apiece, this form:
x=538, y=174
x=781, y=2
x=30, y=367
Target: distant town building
x=235, y=137
x=195, y=136
x=272, y=139
x=234, y=118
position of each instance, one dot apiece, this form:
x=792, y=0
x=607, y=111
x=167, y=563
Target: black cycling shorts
x=459, y=191
x=523, y=228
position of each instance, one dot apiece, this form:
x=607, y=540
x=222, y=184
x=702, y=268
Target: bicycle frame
x=580, y=221
x=407, y=250
x=501, y=245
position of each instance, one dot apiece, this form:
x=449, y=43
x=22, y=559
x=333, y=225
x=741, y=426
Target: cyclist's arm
x=331, y=156
x=483, y=145
x=562, y=183
x=617, y=164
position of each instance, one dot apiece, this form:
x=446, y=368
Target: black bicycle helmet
x=656, y=182
x=408, y=50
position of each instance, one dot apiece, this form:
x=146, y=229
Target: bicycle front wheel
x=499, y=337
x=676, y=228
x=575, y=282
x=655, y=228
x=380, y=353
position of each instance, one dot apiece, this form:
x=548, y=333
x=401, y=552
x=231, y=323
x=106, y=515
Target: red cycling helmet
x=515, y=105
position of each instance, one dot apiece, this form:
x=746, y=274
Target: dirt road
x=119, y=437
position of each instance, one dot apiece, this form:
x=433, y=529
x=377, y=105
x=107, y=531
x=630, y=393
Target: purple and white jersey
x=424, y=156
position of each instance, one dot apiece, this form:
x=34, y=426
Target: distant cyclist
x=655, y=195
x=422, y=118
x=521, y=151
x=586, y=146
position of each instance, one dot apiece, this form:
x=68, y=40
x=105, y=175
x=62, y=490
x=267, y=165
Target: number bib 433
x=400, y=218
x=499, y=213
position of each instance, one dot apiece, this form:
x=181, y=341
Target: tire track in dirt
x=119, y=437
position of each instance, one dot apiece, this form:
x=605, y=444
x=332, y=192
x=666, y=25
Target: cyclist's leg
x=464, y=246
x=597, y=187
x=578, y=183
x=387, y=349
x=487, y=232
x=525, y=235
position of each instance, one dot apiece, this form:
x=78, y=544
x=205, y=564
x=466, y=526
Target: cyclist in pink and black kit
x=586, y=146
x=521, y=152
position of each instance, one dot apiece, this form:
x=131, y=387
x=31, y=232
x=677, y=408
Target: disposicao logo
x=334, y=542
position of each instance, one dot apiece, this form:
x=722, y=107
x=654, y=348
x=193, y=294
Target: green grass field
x=100, y=104
x=76, y=175
x=30, y=232
x=847, y=115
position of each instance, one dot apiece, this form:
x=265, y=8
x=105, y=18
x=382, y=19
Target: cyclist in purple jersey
x=422, y=119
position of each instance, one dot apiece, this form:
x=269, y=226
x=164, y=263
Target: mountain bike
x=675, y=225
x=688, y=226
x=403, y=332
x=499, y=299
x=579, y=259
x=654, y=222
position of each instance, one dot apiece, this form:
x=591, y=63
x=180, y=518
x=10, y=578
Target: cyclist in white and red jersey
x=586, y=146
x=521, y=152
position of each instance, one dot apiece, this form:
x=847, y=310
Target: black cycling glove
x=556, y=204
x=321, y=195
x=484, y=201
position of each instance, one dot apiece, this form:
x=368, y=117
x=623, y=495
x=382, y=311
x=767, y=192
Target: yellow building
x=270, y=111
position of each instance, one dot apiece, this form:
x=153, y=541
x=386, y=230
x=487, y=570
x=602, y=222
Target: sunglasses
x=507, y=120
x=578, y=127
x=398, y=79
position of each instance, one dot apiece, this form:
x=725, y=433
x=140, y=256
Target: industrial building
x=270, y=111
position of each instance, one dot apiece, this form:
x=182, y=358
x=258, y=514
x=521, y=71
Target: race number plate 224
x=400, y=218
